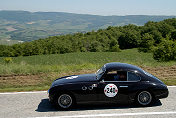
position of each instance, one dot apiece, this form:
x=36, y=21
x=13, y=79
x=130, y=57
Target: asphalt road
x=36, y=105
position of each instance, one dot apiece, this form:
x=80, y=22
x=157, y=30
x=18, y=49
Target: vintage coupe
x=114, y=82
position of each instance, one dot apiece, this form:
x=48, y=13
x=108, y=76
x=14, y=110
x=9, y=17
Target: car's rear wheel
x=65, y=101
x=144, y=98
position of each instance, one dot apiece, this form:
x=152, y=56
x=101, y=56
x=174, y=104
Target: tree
x=173, y=35
x=164, y=28
x=114, y=47
x=129, y=39
x=147, y=43
x=165, y=51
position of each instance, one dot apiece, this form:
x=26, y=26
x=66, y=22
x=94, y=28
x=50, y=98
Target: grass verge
x=38, y=72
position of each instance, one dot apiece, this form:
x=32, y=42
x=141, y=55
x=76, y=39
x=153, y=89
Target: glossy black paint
x=90, y=88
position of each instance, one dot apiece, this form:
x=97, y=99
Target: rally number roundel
x=110, y=90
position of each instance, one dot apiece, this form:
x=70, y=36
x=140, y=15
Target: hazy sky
x=97, y=7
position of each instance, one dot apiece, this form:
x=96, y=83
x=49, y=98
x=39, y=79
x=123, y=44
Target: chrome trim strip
x=123, y=86
x=120, y=81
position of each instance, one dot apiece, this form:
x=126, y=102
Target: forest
x=156, y=37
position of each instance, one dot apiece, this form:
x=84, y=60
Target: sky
x=95, y=7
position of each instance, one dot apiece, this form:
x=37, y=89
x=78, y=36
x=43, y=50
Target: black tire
x=65, y=101
x=144, y=98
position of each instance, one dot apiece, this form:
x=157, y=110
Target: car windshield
x=100, y=72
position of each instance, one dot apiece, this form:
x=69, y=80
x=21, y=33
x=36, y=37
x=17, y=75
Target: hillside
x=38, y=71
x=156, y=37
x=27, y=26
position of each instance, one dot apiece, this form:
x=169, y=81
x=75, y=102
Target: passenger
x=121, y=76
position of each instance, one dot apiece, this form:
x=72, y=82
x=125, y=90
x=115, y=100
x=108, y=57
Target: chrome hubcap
x=65, y=101
x=144, y=98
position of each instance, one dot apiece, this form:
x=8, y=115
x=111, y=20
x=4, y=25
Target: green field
x=76, y=61
x=41, y=70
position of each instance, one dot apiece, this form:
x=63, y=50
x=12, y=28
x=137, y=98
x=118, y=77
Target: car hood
x=74, y=79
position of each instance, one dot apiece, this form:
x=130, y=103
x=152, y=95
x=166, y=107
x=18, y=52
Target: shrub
x=8, y=60
x=165, y=51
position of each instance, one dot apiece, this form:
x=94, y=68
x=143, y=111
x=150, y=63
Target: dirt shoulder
x=166, y=74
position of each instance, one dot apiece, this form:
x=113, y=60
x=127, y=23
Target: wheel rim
x=144, y=98
x=65, y=101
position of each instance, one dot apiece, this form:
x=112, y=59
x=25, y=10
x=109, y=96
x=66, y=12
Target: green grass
x=71, y=63
x=26, y=88
x=76, y=61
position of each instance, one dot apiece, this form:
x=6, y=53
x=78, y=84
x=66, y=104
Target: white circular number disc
x=110, y=90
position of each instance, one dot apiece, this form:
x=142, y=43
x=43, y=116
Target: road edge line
x=6, y=93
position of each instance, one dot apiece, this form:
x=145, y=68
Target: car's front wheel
x=65, y=101
x=144, y=98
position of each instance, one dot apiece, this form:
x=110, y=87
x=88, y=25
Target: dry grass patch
x=43, y=81
x=166, y=74
x=21, y=80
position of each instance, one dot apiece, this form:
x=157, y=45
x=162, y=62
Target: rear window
x=133, y=77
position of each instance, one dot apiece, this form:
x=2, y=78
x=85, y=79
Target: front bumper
x=51, y=98
x=163, y=94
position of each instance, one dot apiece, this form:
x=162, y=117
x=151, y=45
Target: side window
x=115, y=75
x=133, y=77
x=109, y=76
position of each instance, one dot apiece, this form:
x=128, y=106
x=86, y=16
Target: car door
x=86, y=92
x=123, y=89
x=110, y=90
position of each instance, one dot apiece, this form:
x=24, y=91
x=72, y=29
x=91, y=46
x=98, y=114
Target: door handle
x=123, y=86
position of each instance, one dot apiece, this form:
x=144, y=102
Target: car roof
x=122, y=66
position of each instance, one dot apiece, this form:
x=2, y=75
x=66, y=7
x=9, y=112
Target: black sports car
x=114, y=82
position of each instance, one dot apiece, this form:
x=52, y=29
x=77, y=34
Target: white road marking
x=115, y=114
x=45, y=91
x=7, y=93
x=171, y=86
